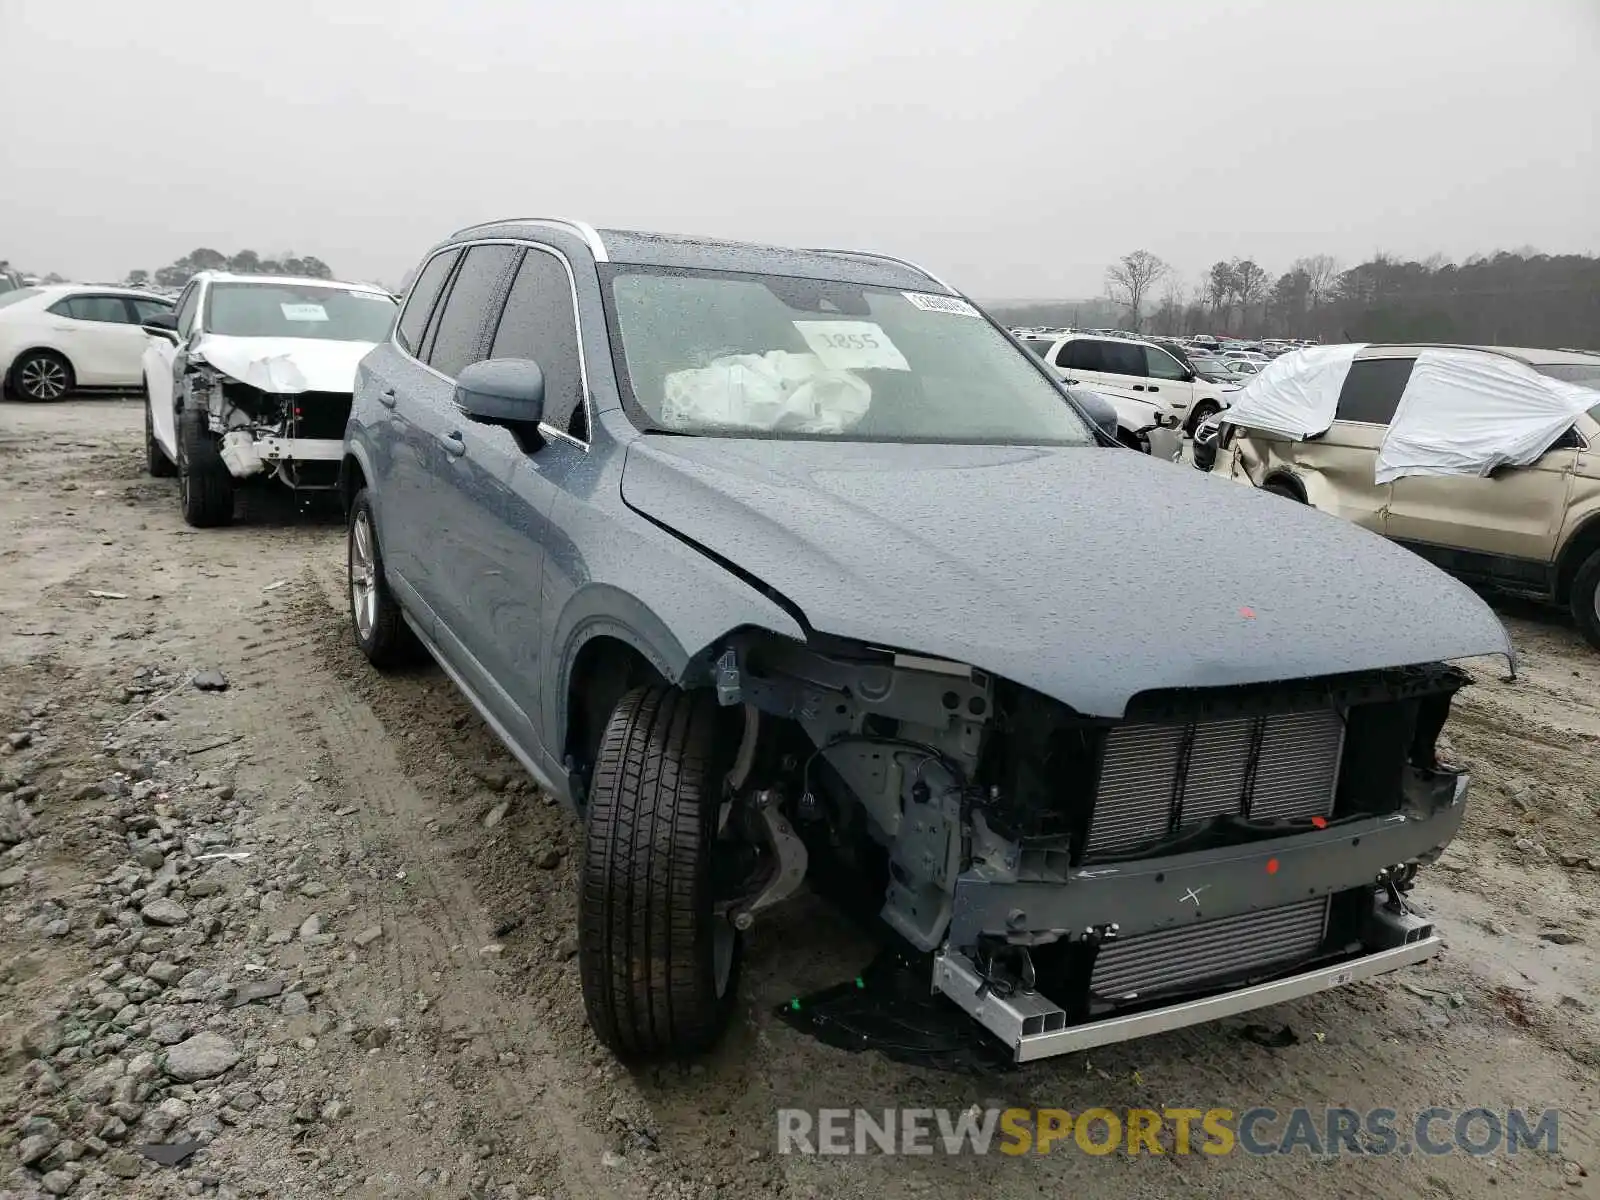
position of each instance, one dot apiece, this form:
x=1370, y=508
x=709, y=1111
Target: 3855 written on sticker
x=304, y=312
x=852, y=345
x=945, y=304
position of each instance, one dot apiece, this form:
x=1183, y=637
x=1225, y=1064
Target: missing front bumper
x=1031, y=1026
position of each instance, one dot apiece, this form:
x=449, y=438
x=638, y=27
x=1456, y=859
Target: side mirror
x=1100, y=411
x=1188, y=375
x=502, y=389
x=162, y=325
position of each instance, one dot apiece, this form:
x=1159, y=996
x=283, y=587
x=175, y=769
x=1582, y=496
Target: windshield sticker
x=944, y=304
x=852, y=346
x=304, y=312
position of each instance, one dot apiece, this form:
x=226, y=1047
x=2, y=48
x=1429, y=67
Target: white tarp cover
x=1295, y=394
x=1466, y=414
x=775, y=390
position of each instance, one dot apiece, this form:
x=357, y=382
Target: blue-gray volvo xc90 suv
x=791, y=566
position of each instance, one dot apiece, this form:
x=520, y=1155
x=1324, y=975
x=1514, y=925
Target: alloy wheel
x=42, y=379
x=363, y=576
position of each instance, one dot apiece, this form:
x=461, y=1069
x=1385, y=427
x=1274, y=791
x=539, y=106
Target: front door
x=1168, y=383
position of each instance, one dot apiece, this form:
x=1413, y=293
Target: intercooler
x=1157, y=779
x=1193, y=954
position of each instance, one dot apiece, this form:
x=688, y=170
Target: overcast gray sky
x=1016, y=148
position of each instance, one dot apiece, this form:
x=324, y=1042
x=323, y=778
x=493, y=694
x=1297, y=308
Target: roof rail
x=886, y=258
x=589, y=234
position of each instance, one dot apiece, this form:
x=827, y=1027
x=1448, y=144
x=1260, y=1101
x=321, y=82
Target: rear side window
x=1122, y=358
x=105, y=309
x=459, y=340
x=419, y=303
x=538, y=322
x=1081, y=356
x=1372, y=390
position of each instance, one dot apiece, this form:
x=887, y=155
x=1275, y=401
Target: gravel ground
x=316, y=928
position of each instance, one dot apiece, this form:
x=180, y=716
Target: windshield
x=735, y=355
x=287, y=310
x=20, y=294
x=1583, y=374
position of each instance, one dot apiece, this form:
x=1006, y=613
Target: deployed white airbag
x=1295, y=394
x=771, y=391
x=1466, y=414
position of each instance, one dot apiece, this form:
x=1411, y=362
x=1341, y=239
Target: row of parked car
x=789, y=566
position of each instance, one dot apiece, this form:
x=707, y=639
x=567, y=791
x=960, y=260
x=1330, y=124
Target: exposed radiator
x=1273, y=767
x=1193, y=954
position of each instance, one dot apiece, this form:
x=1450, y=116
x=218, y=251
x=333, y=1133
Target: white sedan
x=59, y=339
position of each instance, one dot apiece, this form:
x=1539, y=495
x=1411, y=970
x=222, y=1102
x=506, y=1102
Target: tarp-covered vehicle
x=251, y=377
x=790, y=567
x=1484, y=460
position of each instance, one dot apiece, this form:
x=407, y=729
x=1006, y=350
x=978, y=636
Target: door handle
x=1152, y=388
x=1139, y=387
x=386, y=397
x=455, y=445
x=1071, y=381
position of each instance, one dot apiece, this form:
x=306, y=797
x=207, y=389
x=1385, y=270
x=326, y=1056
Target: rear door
x=1337, y=468
x=402, y=384
x=98, y=334
x=1502, y=529
x=429, y=502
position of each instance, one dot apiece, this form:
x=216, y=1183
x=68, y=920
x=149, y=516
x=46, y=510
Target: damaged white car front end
x=252, y=377
x=279, y=405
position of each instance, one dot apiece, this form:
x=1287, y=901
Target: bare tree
x=1220, y=285
x=1129, y=280
x=1322, y=277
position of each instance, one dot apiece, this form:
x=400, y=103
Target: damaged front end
x=295, y=438
x=1071, y=881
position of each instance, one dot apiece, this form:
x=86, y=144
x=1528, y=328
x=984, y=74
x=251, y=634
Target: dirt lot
x=320, y=923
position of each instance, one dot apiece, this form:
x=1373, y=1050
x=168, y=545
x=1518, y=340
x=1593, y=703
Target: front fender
x=675, y=648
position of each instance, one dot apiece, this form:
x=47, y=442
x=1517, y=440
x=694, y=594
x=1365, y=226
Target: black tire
x=383, y=637
x=1585, y=599
x=1278, y=488
x=1199, y=414
x=156, y=461
x=205, y=488
x=648, y=938
x=42, y=376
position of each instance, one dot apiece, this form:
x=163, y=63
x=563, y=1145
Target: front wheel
x=205, y=488
x=1585, y=599
x=659, y=967
x=1200, y=414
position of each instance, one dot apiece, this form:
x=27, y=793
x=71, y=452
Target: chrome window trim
x=577, y=321
x=589, y=234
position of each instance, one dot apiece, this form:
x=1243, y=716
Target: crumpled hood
x=1090, y=575
x=286, y=366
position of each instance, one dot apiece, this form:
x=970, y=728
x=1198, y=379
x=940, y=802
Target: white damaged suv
x=251, y=376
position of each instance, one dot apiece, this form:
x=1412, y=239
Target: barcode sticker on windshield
x=304, y=312
x=852, y=345
x=945, y=304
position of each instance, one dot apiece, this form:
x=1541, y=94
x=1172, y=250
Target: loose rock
x=204, y=1056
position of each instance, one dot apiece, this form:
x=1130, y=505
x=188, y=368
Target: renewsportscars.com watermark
x=1211, y=1131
